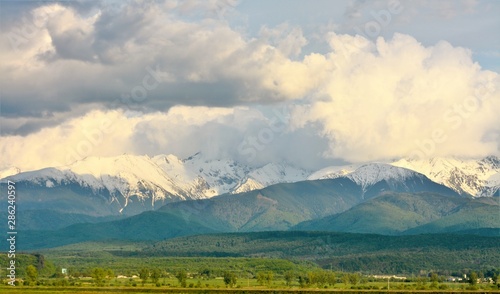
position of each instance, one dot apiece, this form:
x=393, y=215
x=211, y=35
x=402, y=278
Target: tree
x=265, y=278
x=345, y=279
x=434, y=277
x=289, y=276
x=57, y=273
x=473, y=278
x=32, y=273
x=206, y=273
x=261, y=278
x=311, y=277
x=144, y=275
x=98, y=274
x=434, y=280
x=354, y=278
x=319, y=278
x=109, y=273
x=421, y=282
x=230, y=279
x=182, y=277
x=269, y=278
x=304, y=281
x=332, y=279
x=155, y=275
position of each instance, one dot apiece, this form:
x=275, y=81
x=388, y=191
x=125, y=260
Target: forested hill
x=352, y=252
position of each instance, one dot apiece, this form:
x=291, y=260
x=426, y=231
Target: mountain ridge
x=148, y=181
x=286, y=206
x=128, y=185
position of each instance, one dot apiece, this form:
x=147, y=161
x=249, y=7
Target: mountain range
x=155, y=198
x=476, y=178
x=128, y=184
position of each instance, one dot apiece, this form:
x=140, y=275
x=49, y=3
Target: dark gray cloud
x=138, y=56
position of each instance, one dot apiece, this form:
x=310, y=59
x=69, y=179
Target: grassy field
x=256, y=289
x=123, y=263
x=243, y=285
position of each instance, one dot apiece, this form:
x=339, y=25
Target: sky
x=310, y=83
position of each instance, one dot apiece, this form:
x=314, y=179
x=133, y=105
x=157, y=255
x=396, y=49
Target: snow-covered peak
x=494, y=180
x=166, y=177
x=273, y=172
x=175, y=168
x=491, y=161
x=333, y=172
x=370, y=174
x=40, y=175
x=270, y=174
x=462, y=175
x=222, y=175
x=160, y=176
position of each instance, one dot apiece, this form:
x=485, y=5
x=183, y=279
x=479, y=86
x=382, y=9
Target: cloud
x=69, y=59
x=397, y=98
x=183, y=131
x=175, y=77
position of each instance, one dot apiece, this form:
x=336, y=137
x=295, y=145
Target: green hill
x=397, y=213
x=150, y=225
x=46, y=219
x=470, y=216
x=277, y=207
x=327, y=205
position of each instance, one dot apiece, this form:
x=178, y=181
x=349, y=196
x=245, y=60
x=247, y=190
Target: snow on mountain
x=161, y=177
x=126, y=174
x=167, y=177
x=333, y=172
x=270, y=174
x=221, y=175
x=190, y=181
x=472, y=177
x=247, y=185
x=119, y=177
x=370, y=174
x=43, y=177
x=494, y=180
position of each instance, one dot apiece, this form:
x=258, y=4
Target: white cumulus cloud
x=397, y=98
